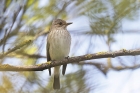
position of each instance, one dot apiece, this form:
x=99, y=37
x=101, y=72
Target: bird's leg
x=64, y=66
x=49, y=62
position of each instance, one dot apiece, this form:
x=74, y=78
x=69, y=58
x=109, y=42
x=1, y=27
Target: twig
x=15, y=48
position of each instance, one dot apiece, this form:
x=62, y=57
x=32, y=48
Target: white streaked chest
x=59, y=44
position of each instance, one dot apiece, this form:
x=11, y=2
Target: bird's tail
x=56, y=83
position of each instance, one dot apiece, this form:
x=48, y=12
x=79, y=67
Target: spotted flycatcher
x=58, y=47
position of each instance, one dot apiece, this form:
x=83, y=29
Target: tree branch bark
x=77, y=59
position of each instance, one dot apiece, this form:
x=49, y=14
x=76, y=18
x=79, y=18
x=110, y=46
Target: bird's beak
x=68, y=23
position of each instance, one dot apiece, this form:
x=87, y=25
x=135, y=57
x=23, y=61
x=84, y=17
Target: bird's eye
x=60, y=23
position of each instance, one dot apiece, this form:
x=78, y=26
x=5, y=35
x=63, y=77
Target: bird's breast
x=60, y=41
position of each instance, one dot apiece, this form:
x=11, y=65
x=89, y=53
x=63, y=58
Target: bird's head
x=59, y=23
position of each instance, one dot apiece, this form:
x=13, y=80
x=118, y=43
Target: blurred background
x=98, y=25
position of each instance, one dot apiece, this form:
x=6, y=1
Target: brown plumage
x=58, y=47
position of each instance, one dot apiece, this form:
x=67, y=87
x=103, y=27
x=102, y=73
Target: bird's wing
x=48, y=55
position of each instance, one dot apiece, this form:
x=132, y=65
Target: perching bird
x=58, y=47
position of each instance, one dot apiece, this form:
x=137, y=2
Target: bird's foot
x=67, y=57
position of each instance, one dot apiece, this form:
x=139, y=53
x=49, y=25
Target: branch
x=15, y=48
x=77, y=59
x=18, y=46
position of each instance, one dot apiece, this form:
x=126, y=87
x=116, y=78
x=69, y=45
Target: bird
x=58, y=47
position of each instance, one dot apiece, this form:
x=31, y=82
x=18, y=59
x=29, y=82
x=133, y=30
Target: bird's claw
x=67, y=57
